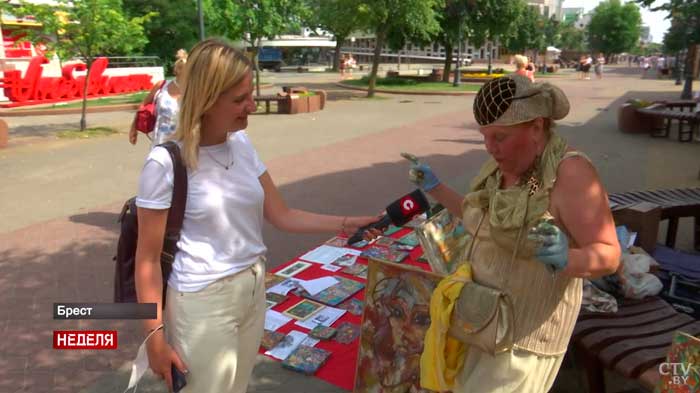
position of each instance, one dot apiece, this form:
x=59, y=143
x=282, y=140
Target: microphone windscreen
x=405, y=208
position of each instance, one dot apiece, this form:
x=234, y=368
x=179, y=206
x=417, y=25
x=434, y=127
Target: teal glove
x=421, y=174
x=553, y=245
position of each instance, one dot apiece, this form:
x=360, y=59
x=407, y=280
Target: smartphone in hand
x=179, y=380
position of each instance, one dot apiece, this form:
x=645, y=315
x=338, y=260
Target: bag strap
x=176, y=213
x=515, y=248
x=160, y=89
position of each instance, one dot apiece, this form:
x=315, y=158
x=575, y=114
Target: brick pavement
x=68, y=258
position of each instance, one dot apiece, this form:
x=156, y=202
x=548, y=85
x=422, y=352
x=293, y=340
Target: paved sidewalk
x=58, y=237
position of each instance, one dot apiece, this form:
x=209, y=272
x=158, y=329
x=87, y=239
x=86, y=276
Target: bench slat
x=608, y=335
x=630, y=321
x=615, y=352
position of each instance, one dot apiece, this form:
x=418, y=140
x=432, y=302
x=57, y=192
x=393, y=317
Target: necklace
x=228, y=150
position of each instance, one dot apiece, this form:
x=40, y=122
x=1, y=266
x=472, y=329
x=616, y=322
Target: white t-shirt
x=167, y=109
x=222, y=230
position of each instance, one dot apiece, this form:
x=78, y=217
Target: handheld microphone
x=398, y=213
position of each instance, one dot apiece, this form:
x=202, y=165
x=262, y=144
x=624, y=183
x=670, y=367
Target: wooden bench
x=674, y=204
x=631, y=342
x=683, y=112
x=269, y=98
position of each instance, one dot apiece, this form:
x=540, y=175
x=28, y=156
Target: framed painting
x=395, y=319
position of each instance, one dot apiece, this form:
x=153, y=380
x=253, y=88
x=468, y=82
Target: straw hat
x=514, y=99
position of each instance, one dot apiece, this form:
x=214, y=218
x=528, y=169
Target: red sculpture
x=35, y=89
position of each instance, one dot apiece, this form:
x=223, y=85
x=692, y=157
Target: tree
x=614, y=27
x=338, y=17
x=571, y=38
x=86, y=29
x=490, y=20
x=684, y=32
x=453, y=29
x=529, y=34
x=394, y=22
x=174, y=28
x=253, y=20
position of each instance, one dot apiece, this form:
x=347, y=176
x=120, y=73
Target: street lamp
x=200, y=15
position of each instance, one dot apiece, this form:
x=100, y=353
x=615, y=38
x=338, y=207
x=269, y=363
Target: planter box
x=629, y=121
x=303, y=103
x=4, y=134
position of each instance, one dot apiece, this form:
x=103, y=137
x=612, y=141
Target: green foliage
x=529, y=34
x=175, y=27
x=614, y=27
x=571, y=38
x=86, y=29
x=253, y=20
x=339, y=17
x=492, y=19
x=394, y=22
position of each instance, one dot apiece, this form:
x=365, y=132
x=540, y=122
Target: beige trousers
x=217, y=331
x=509, y=372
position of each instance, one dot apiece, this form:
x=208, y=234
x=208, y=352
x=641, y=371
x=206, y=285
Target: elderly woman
x=540, y=221
x=521, y=68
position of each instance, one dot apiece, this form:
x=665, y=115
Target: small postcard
x=269, y=304
x=331, y=267
x=337, y=241
x=303, y=310
x=384, y=241
x=353, y=306
x=345, y=260
x=392, y=229
x=271, y=339
x=293, y=269
x=325, y=317
x=410, y=239
x=275, y=320
x=306, y=360
x=322, y=332
x=289, y=343
x=384, y=254
x=347, y=332
x=358, y=270
x=402, y=247
x=283, y=287
x=275, y=298
x=360, y=244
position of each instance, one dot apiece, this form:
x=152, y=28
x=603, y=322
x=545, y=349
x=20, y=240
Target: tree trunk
x=447, y=67
x=256, y=49
x=336, y=54
x=83, y=111
x=379, y=43
x=687, y=93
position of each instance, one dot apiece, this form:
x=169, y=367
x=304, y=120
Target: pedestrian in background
x=599, y=62
x=165, y=96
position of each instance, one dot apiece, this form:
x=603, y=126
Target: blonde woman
x=215, y=308
x=521, y=63
x=165, y=95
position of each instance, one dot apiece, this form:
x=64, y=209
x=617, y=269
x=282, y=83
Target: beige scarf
x=507, y=207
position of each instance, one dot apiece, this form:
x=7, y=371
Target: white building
x=362, y=48
x=572, y=14
x=549, y=8
x=645, y=35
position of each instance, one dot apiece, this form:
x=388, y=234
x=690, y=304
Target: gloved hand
x=421, y=174
x=553, y=245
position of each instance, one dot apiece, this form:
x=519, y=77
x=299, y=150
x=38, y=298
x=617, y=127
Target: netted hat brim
x=514, y=99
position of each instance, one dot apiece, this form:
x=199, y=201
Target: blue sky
x=655, y=20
